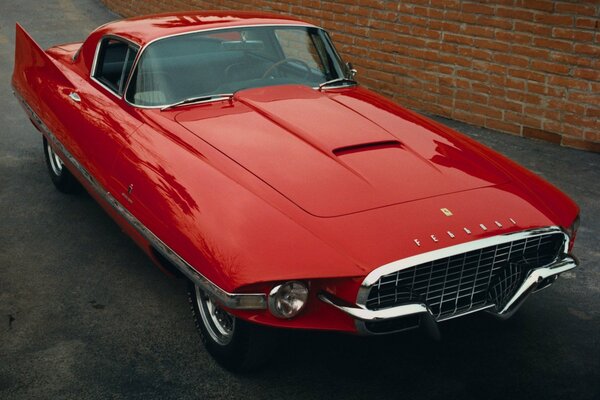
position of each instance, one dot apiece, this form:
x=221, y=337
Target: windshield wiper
x=337, y=80
x=199, y=99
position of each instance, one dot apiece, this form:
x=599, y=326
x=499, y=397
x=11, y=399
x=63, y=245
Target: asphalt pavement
x=85, y=315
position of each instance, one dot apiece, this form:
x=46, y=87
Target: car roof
x=142, y=30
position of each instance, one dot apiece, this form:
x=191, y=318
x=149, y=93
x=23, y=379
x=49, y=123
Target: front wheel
x=235, y=344
x=60, y=175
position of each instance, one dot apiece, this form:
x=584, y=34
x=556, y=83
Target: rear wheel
x=235, y=344
x=60, y=175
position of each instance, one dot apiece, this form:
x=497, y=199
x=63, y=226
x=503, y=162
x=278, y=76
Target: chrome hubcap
x=219, y=323
x=55, y=162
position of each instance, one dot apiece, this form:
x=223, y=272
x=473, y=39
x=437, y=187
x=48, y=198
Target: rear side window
x=114, y=62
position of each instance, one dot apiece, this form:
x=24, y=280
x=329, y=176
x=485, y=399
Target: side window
x=297, y=44
x=114, y=63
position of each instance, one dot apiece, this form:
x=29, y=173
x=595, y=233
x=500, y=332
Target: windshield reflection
x=202, y=64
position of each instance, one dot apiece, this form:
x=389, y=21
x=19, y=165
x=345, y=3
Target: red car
x=238, y=151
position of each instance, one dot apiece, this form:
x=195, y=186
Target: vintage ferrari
x=239, y=152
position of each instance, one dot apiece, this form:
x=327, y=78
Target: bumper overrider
x=416, y=312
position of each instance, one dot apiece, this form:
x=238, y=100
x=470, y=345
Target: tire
x=237, y=345
x=60, y=175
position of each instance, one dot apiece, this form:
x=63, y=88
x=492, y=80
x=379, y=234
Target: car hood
x=340, y=152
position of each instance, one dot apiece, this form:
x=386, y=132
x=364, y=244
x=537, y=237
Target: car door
x=108, y=121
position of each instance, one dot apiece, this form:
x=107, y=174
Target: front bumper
x=536, y=279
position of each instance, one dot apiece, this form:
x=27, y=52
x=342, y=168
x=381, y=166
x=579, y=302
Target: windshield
x=201, y=64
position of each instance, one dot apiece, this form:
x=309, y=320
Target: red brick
x=514, y=13
x=529, y=51
x=505, y=104
x=513, y=83
x=541, y=134
x=503, y=126
x=534, y=87
x=460, y=16
x=593, y=50
x=478, y=109
x=477, y=8
x=554, y=19
x=468, y=116
x=488, y=89
x=571, y=59
x=461, y=39
x=587, y=23
x=444, y=26
x=424, y=32
x=581, y=121
x=576, y=9
x=480, y=31
x=569, y=83
x=524, y=97
x=511, y=60
x=522, y=119
x=491, y=44
x=580, y=144
x=573, y=34
x=474, y=75
x=565, y=105
x=593, y=112
x=538, y=29
x=553, y=44
x=512, y=37
x=526, y=74
x=447, y=4
x=411, y=20
x=495, y=22
x=593, y=136
x=550, y=67
x=590, y=98
x=543, y=5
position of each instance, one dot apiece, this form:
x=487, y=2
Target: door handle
x=75, y=97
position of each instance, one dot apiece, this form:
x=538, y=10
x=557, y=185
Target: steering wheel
x=287, y=61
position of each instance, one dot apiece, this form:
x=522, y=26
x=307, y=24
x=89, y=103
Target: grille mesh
x=464, y=282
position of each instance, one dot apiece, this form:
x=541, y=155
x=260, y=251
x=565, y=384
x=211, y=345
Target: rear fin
x=33, y=69
x=39, y=83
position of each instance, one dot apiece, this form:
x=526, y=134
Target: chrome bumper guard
x=537, y=279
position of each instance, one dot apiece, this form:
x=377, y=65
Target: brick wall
x=526, y=67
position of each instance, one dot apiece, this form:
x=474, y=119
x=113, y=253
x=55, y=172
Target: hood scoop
x=356, y=148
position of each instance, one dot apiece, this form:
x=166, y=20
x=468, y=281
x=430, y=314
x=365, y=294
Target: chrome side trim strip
x=240, y=301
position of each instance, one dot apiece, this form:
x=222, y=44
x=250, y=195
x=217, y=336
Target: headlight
x=287, y=300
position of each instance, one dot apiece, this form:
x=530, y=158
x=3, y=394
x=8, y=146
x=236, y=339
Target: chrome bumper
x=537, y=279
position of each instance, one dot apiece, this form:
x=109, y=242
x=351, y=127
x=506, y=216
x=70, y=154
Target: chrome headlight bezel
x=288, y=299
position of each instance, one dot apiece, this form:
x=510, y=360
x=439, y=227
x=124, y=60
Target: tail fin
x=33, y=69
x=38, y=82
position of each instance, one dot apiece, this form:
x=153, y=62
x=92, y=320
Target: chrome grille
x=468, y=281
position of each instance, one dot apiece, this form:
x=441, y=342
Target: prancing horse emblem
x=446, y=212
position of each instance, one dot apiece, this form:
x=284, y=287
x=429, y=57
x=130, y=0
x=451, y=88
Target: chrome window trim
x=94, y=62
x=240, y=301
x=135, y=65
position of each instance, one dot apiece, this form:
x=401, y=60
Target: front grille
x=468, y=281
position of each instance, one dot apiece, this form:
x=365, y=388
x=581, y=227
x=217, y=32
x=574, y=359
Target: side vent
x=355, y=148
